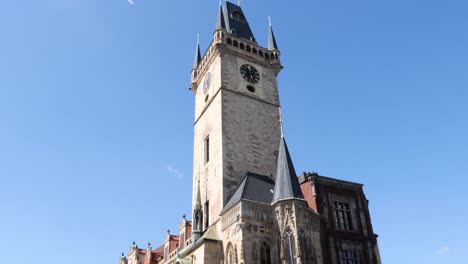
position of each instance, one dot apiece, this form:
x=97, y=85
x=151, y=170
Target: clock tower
x=237, y=111
x=249, y=205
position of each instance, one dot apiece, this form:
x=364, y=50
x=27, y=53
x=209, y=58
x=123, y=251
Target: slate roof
x=272, y=40
x=198, y=57
x=253, y=187
x=236, y=26
x=287, y=184
x=220, y=23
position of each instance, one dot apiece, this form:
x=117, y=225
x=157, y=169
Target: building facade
x=248, y=204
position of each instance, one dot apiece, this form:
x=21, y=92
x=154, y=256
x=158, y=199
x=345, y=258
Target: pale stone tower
x=237, y=127
x=248, y=205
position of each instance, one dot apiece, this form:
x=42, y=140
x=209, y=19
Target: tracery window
x=303, y=245
x=265, y=254
x=231, y=255
x=289, y=246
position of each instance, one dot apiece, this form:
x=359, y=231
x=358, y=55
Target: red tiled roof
x=159, y=250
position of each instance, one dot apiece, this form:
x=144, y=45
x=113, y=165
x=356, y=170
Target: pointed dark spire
x=286, y=183
x=271, y=38
x=197, y=59
x=220, y=23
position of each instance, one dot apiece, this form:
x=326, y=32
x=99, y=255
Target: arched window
x=231, y=254
x=229, y=41
x=235, y=43
x=289, y=246
x=241, y=46
x=265, y=254
x=267, y=56
x=303, y=245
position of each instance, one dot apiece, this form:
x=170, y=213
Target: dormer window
x=238, y=16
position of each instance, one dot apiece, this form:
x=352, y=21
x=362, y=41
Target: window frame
x=206, y=146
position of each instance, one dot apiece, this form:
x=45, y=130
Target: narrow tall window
x=348, y=257
x=304, y=250
x=207, y=214
x=207, y=149
x=343, y=219
x=265, y=254
x=290, y=246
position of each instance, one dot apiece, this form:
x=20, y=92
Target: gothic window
x=303, y=245
x=198, y=221
x=343, y=219
x=254, y=50
x=267, y=56
x=265, y=254
x=229, y=41
x=231, y=255
x=241, y=46
x=289, y=246
x=207, y=149
x=348, y=257
x=247, y=48
x=235, y=43
x=260, y=53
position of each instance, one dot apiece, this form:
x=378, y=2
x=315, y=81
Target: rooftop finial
x=269, y=21
x=198, y=39
x=238, y=2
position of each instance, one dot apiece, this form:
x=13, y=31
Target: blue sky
x=96, y=118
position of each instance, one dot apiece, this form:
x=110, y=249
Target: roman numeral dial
x=249, y=73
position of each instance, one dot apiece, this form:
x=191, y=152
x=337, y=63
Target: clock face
x=206, y=84
x=249, y=73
